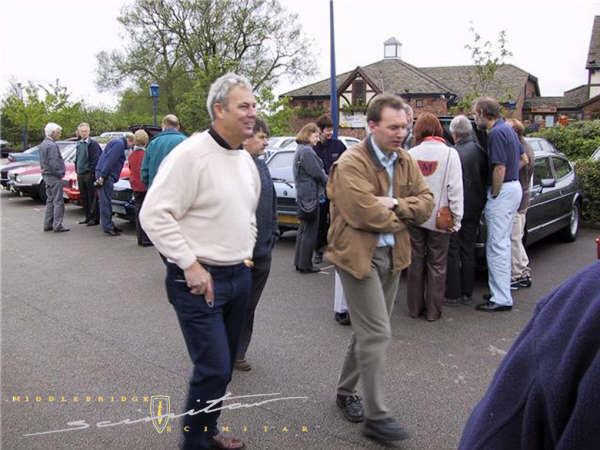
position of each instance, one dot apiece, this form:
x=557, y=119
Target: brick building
x=431, y=89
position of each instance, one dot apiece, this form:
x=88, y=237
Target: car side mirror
x=548, y=182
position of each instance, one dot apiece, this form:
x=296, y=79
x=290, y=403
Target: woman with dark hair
x=310, y=179
x=440, y=166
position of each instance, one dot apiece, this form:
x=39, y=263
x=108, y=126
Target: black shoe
x=515, y=285
x=47, y=228
x=311, y=270
x=112, y=233
x=82, y=222
x=525, y=282
x=492, y=307
x=117, y=229
x=91, y=223
x=384, y=430
x=351, y=407
x=318, y=259
x=61, y=229
x=466, y=299
x=342, y=318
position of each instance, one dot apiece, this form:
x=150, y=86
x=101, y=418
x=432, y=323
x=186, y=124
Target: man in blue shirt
x=108, y=172
x=503, y=198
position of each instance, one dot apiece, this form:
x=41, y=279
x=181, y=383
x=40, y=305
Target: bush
x=588, y=172
x=577, y=140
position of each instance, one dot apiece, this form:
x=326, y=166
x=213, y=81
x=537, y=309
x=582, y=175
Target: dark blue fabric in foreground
x=546, y=392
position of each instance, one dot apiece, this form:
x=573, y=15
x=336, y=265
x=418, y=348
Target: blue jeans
x=105, y=201
x=499, y=214
x=212, y=339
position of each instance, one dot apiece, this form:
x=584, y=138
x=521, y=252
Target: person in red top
x=135, y=178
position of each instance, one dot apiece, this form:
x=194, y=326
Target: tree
x=184, y=45
x=279, y=114
x=486, y=61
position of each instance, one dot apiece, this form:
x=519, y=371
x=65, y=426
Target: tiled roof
x=509, y=80
x=593, y=60
x=389, y=75
x=559, y=102
x=578, y=95
x=399, y=77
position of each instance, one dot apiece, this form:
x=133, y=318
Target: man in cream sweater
x=200, y=214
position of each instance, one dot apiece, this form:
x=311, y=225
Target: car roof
x=543, y=153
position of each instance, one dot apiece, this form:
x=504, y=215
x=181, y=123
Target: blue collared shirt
x=386, y=239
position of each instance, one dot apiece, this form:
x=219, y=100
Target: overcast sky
x=44, y=40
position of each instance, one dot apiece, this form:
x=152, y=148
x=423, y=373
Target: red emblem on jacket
x=428, y=168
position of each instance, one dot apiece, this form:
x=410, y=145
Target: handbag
x=444, y=219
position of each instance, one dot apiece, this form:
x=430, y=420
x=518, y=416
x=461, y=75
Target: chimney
x=392, y=48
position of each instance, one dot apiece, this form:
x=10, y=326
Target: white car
x=347, y=140
x=596, y=155
x=27, y=180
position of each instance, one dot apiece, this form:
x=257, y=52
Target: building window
x=419, y=103
x=359, y=93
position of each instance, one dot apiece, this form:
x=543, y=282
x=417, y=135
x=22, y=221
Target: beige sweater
x=202, y=203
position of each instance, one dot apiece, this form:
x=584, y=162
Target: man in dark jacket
x=329, y=149
x=86, y=158
x=268, y=231
x=545, y=394
x=461, y=252
x=108, y=172
x=160, y=146
x=53, y=169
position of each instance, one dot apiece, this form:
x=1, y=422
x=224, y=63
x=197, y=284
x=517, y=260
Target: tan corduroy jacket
x=357, y=218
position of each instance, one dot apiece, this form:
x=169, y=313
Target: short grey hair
x=51, y=128
x=219, y=90
x=461, y=126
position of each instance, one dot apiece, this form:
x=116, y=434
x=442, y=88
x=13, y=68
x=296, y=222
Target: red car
x=71, y=188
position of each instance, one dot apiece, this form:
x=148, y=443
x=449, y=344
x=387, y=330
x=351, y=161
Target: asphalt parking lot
x=85, y=316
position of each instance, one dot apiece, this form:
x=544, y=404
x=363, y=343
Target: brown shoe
x=225, y=442
x=243, y=365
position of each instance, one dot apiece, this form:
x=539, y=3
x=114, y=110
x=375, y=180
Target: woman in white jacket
x=440, y=166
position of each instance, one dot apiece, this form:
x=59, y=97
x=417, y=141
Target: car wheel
x=570, y=232
x=42, y=192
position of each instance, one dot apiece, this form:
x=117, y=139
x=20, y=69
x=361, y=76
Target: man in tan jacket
x=375, y=189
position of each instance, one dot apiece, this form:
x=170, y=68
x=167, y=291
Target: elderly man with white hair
x=53, y=169
x=461, y=252
x=200, y=213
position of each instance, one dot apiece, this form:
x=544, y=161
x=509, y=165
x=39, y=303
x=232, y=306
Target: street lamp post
x=154, y=88
x=334, y=103
x=24, y=132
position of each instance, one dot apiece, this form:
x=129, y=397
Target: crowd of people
x=404, y=198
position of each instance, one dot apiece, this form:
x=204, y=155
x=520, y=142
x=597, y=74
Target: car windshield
x=280, y=160
x=68, y=152
x=280, y=165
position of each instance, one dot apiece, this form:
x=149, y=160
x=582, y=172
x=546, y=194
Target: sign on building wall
x=354, y=120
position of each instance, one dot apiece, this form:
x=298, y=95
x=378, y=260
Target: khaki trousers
x=370, y=302
x=519, y=259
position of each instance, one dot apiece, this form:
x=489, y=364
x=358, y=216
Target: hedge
x=577, y=140
x=588, y=172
